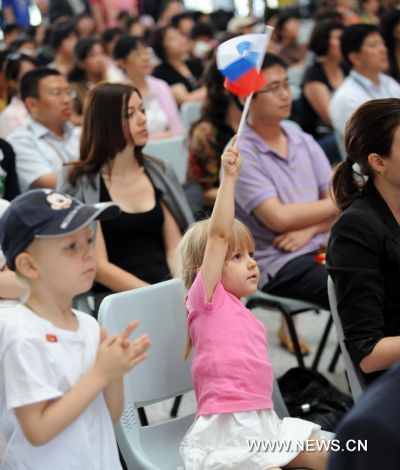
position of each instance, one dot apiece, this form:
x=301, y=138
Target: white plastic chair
x=291, y=125
x=340, y=143
x=164, y=374
x=295, y=75
x=85, y=303
x=190, y=112
x=173, y=151
x=357, y=382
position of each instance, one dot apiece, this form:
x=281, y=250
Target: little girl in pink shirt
x=232, y=375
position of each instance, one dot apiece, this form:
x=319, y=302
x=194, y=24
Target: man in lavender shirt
x=282, y=194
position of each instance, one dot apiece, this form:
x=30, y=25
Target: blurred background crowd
x=69, y=70
x=166, y=50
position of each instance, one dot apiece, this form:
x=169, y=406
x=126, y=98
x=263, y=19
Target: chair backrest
x=295, y=90
x=191, y=112
x=357, y=382
x=85, y=303
x=305, y=30
x=161, y=312
x=340, y=144
x=173, y=151
x=295, y=75
x=164, y=374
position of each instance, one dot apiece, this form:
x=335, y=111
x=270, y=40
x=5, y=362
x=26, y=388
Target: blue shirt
x=20, y=10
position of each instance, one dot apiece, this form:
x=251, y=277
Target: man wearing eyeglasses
x=48, y=140
x=282, y=195
x=364, y=50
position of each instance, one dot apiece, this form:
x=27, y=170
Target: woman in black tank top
x=136, y=248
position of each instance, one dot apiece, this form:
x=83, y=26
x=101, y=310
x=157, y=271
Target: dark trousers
x=303, y=279
x=329, y=146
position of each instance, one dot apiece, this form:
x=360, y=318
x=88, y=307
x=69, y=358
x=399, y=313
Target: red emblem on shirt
x=51, y=338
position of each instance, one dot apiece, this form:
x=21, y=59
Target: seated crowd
x=86, y=94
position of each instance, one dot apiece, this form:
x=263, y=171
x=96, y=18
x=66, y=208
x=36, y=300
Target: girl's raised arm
x=220, y=227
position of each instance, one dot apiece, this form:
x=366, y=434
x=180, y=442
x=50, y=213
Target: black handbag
x=309, y=395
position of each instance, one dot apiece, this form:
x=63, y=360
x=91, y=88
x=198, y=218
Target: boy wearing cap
x=60, y=375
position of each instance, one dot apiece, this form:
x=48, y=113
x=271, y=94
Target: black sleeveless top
x=134, y=242
x=309, y=120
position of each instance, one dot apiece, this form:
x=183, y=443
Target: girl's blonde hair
x=191, y=249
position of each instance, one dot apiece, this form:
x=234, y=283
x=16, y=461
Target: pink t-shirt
x=230, y=369
x=114, y=7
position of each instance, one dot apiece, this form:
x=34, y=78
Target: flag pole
x=244, y=114
x=267, y=29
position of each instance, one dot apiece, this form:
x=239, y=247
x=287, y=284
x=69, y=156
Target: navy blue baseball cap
x=45, y=213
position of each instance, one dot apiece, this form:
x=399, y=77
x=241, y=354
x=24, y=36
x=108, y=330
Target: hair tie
x=350, y=161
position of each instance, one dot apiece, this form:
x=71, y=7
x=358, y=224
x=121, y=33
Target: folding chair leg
x=332, y=365
x=322, y=343
x=175, y=406
x=293, y=336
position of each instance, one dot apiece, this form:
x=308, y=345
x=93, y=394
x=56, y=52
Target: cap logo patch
x=58, y=201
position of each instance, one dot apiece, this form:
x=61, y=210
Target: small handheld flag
x=239, y=60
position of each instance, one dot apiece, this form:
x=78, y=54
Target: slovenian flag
x=239, y=60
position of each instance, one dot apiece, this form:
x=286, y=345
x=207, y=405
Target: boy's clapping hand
x=137, y=347
x=117, y=355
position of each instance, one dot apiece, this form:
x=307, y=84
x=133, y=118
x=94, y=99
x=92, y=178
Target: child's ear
x=26, y=266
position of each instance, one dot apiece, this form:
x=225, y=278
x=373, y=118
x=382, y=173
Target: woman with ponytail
x=364, y=246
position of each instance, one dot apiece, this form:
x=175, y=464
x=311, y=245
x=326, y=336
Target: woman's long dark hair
x=369, y=130
x=216, y=106
x=157, y=42
x=104, y=133
x=81, y=51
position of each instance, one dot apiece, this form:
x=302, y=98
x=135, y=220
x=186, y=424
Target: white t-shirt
x=157, y=120
x=39, y=152
x=39, y=361
x=355, y=90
